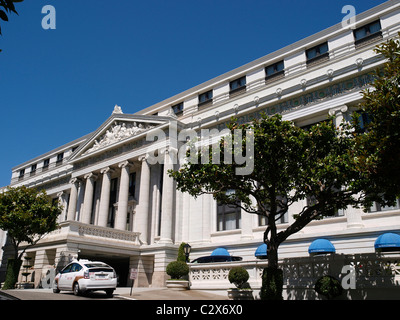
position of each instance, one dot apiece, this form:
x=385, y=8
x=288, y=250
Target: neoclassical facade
x=121, y=206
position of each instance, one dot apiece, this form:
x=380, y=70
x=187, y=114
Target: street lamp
x=186, y=250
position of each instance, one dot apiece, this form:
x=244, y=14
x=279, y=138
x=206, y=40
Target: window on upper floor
x=228, y=217
x=263, y=220
x=21, y=173
x=368, y=33
x=178, y=109
x=317, y=54
x=377, y=207
x=275, y=70
x=60, y=157
x=237, y=86
x=33, y=169
x=132, y=184
x=206, y=98
x=46, y=163
x=334, y=213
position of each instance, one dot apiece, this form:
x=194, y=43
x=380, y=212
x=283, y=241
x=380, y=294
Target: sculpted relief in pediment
x=117, y=132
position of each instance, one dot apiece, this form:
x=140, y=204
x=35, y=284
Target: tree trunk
x=272, y=279
x=13, y=267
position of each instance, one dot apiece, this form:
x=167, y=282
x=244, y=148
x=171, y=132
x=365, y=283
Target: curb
x=7, y=296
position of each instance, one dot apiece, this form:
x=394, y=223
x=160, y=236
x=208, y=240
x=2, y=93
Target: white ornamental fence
x=363, y=276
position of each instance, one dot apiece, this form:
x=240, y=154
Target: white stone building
x=122, y=208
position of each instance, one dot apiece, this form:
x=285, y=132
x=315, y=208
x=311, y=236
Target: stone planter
x=178, y=284
x=240, y=294
x=25, y=285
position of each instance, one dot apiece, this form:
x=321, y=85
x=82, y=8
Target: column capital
x=74, y=180
x=143, y=158
x=124, y=164
x=339, y=109
x=90, y=175
x=60, y=194
x=106, y=170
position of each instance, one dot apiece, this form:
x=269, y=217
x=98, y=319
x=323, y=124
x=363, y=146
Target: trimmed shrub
x=181, y=253
x=177, y=269
x=329, y=287
x=238, y=276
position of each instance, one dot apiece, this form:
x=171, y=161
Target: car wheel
x=55, y=288
x=77, y=291
x=109, y=293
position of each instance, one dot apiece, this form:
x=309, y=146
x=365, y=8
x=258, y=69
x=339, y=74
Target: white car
x=82, y=276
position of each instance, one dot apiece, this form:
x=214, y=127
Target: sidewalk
x=120, y=293
x=166, y=294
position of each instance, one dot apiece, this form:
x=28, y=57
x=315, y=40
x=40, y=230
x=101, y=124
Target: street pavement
x=119, y=294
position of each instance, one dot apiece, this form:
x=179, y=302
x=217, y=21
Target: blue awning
x=387, y=240
x=261, y=251
x=321, y=246
x=220, y=252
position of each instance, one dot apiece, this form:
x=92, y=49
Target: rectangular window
x=275, y=69
x=46, y=163
x=367, y=33
x=263, y=220
x=132, y=184
x=228, y=217
x=60, y=158
x=178, y=109
x=21, y=173
x=318, y=53
x=376, y=207
x=237, y=86
x=206, y=98
x=113, y=199
x=33, y=169
x=335, y=212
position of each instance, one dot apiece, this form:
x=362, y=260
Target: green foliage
x=238, y=276
x=181, y=253
x=272, y=284
x=8, y=6
x=329, y=287
x=378, y=143
x=290, y=164
x=27, y=215
x=177, y=269
x=12, y=273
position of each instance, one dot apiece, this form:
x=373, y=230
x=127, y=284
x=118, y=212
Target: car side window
x=67, y=269
x=76, y=267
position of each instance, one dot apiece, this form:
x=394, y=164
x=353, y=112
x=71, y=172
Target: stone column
x=122, y=213
x=167, y=199
x=88, y=199
x=105, y=197
x=62, y=202
x=73, y=199
x=142, y=210
x=338, y=113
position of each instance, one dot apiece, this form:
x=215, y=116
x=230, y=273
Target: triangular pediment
x=118, y=129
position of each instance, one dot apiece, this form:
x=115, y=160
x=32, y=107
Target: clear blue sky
x=58, y=85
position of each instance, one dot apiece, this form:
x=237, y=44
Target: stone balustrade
x=364, y=276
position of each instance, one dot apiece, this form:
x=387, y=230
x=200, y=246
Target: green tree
x=290, y=164
x=8, y=6
x=27, y=215
x=378, y=138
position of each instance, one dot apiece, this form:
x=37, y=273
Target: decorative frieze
x=117, y=132
x=305, y=100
